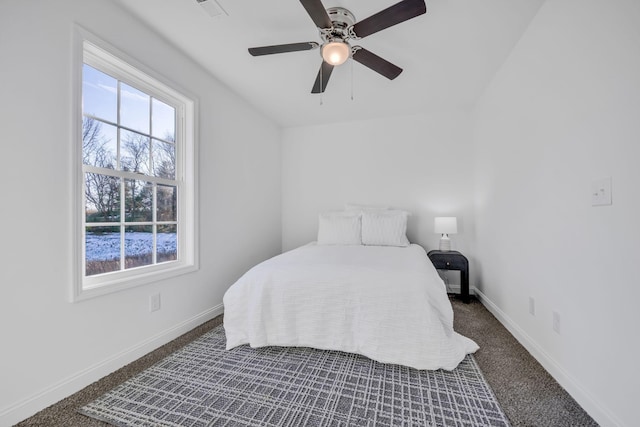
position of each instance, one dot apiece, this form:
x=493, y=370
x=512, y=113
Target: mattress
x=386, y=303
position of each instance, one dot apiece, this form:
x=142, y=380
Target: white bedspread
x=387, y=303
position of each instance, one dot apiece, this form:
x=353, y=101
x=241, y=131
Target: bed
x=386, y=302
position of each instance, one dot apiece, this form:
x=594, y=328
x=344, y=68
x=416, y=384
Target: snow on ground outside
x=106, y=246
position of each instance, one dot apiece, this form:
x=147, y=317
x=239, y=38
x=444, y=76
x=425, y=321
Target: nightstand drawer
x=446, y=262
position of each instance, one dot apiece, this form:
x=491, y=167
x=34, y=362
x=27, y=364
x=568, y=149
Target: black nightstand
x=453, y=260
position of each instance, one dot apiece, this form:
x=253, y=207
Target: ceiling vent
x=212, y=7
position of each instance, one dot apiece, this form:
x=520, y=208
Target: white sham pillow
x=385, y=228
x=362, y=208
x=339, y=228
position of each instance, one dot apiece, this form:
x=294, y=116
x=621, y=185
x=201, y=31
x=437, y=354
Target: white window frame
x=95, y=52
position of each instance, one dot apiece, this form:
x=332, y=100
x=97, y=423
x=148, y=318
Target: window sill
x=83, y=291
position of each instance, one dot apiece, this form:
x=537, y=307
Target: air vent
x=212, y=7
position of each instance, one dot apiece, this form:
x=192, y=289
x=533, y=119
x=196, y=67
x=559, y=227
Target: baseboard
x=456, y=289
x=70, y=385
x=601, y=415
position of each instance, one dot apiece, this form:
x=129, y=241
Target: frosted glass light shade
x=335, y=53
x=445, y=225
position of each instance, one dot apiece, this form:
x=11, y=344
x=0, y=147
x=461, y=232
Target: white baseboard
x=456, y=289
x=601, y=415
x=24, y=409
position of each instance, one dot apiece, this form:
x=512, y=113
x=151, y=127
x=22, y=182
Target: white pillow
x=385, y=228
x=362, y=208
x=339, y=228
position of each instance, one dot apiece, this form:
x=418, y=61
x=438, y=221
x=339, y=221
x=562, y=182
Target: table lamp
x=445, y=225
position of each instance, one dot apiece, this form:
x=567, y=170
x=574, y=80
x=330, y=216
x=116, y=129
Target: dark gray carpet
x=525, y=391
x=203, y=385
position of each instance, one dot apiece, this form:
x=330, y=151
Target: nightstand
x=453, y=260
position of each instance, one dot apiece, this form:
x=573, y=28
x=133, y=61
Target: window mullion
x=130, y=175
x=123, y=185
x=154, y=188
x=83, y=233
x=150, y=135
x=154, y=228
x=118, y=129
x=123, y=220
x=108, y=122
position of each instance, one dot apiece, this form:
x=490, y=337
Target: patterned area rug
x=204, y=385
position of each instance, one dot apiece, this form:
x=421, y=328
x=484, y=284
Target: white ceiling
x=448, y=55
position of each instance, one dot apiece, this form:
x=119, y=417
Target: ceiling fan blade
x=393, y=15
x=282, y=48
x=377, y=64
x=317, y=12
x=322, y=78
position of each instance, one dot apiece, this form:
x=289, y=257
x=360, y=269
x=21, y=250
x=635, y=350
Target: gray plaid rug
x=204, y=385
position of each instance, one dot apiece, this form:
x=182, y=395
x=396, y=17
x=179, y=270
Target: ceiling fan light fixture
x=335, y=53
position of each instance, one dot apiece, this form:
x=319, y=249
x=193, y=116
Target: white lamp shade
x=335, y=53
x=445, y=225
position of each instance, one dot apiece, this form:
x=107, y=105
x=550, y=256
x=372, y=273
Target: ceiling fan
x=337, y=27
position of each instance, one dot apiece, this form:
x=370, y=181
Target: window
x=135, y=184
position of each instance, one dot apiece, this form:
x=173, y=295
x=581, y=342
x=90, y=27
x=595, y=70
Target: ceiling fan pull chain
x=351, y=79
x=321, y=88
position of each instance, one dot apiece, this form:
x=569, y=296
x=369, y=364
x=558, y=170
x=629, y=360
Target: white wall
x=50, y=347
x=420, y=163
x=564, y=110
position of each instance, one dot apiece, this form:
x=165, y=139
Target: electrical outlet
x=556, y=322
x=532, y=306
x=601, y=192
x=154, y=302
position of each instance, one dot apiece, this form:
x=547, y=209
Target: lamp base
x=445, y=243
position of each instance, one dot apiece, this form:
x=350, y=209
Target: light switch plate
x=601, y=192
